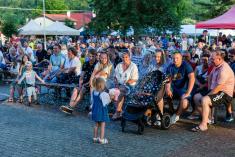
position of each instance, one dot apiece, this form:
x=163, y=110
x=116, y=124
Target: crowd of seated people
x=200, y=75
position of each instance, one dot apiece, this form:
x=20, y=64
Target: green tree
x=78, y=4
x=201, y=10
x=9, y=25
x=220, y=6
x=140, y=14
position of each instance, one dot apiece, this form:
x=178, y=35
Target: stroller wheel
x=123, y=124
x=140, y=127
x=166, y=121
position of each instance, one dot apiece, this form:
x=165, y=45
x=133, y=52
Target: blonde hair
x=99, y=84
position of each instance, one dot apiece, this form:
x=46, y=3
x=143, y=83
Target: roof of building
x=81, y=19
x=59, y=17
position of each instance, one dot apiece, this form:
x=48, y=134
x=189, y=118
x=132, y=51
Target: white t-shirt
x=30, y=53
x=198, y=51
x=75, y=62
x=184, y=44
x=130, y=73
x=2, y=60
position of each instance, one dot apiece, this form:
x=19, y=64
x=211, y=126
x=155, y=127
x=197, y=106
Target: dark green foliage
x=9, y=25
x=121, y=14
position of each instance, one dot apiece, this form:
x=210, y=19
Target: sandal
x=116, y=116
x=197, y=129
x=20, y=100
x=96, y=140
x=103, y=141
x=10, y=100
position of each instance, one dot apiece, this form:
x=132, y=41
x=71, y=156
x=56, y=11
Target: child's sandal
x=10, y=100
x=103, y=141
x=96, y=140
x=20, y=100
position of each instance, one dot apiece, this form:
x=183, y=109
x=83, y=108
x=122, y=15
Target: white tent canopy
x=31, y=28
x=59, y=28
x=191, y=30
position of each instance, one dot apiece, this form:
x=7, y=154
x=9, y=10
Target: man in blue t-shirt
x=182, y=80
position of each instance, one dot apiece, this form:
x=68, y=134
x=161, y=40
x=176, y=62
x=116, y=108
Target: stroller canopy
x=151, y=86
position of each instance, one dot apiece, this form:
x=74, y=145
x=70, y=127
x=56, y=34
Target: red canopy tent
x=225, y=21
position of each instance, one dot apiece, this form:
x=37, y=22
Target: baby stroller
x=142, y=109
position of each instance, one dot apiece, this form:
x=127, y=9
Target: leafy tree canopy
x=160, y=14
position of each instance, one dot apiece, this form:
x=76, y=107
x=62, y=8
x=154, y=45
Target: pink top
x=223, y=75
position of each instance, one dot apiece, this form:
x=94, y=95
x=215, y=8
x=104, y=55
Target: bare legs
x=100, y=125
x=76, y=96
x=182, y=107
x=206, y=103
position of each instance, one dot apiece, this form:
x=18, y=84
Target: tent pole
x=217, y=42
x=209, y=38
x=44, y=24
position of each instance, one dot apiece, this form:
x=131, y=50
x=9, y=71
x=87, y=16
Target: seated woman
x=126, y=77
x=145, y=67
x=103, y=69
x=14, y=85
x=201, y=84
x=159, y=63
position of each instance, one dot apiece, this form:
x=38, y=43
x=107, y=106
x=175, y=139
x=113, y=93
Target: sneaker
x=174, y=118
x=66, y=109
x=229, y=118
x=158, y=121
x=103, y=141
x=89, y=114
x=116, y=116
x=96, y=140
x=211, y=121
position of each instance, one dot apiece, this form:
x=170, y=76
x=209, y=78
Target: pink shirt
x=223, y=75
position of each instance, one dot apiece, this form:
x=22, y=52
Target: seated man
x=56, y=63
x=126, y=77
x=83, y=87
x=181, y=84
x=221, y=86
x=41, y=57
x=72, y=68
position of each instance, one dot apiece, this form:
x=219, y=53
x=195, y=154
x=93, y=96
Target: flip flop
x=20, y=100
x=197, y=129
x=10, y=100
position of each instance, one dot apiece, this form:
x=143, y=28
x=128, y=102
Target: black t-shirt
x=87, y=69
x=47, y=57
x=41, y=55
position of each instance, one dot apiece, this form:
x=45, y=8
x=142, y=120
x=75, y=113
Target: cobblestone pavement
x=42, y=131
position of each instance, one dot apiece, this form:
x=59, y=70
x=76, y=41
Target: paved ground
x=44, y=131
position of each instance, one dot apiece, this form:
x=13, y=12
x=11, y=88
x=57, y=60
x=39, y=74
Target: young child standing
x=30, y=77
x=100, y=100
